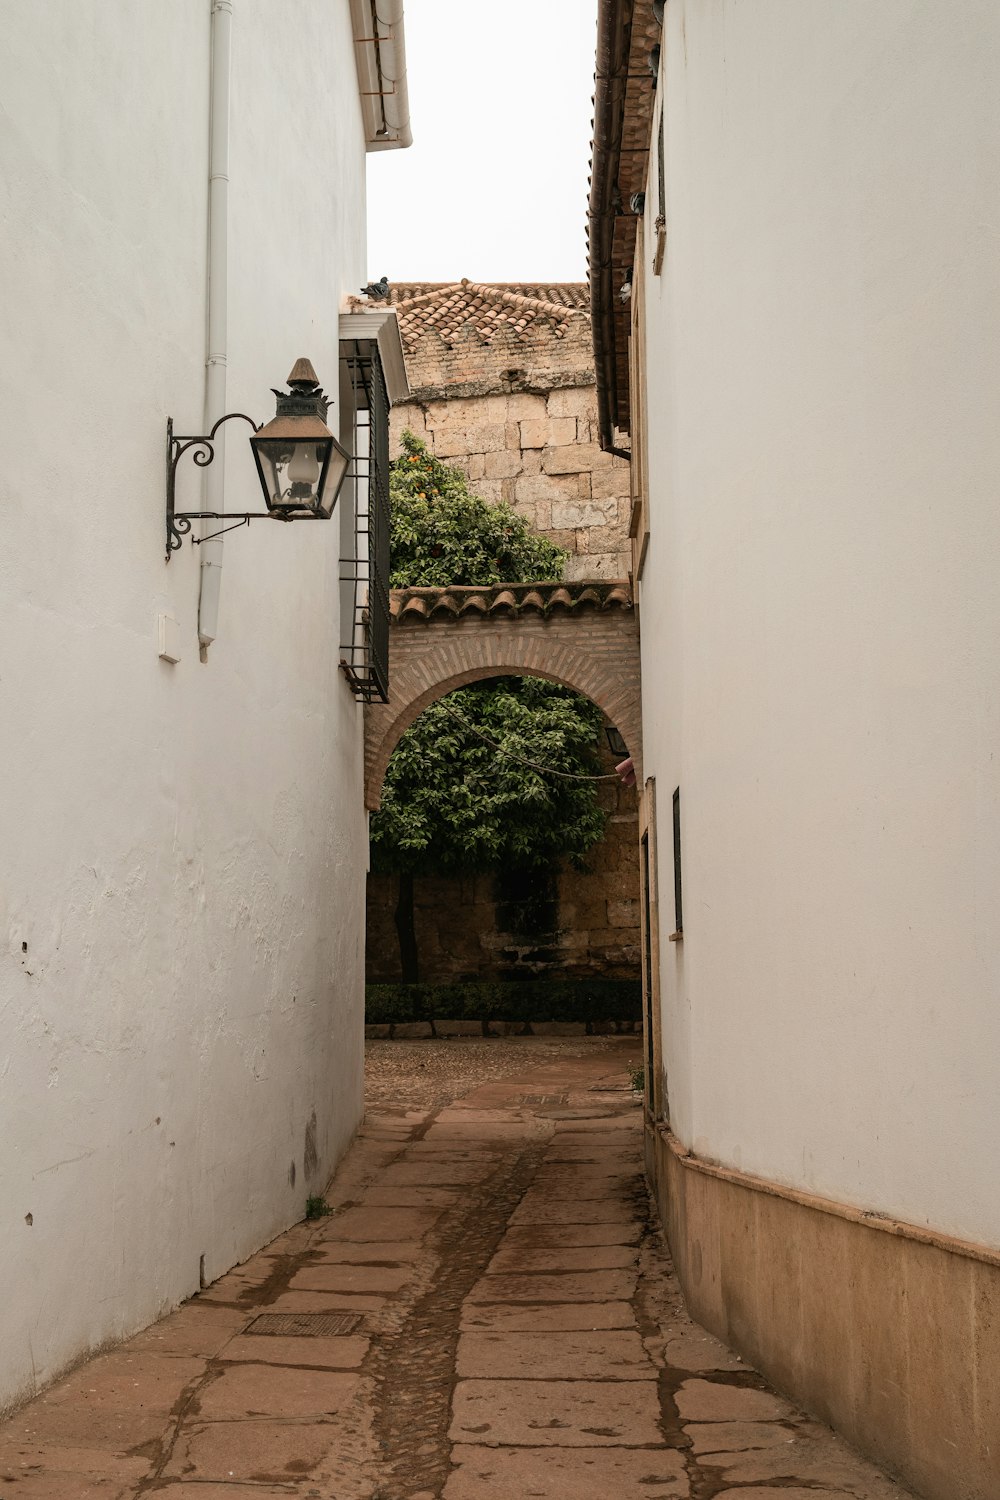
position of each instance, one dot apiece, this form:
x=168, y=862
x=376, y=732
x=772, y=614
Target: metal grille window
x=365, y=655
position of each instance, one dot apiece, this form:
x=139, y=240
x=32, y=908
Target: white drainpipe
x=214, y=479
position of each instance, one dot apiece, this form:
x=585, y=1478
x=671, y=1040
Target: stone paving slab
x=540, y=1209
x=522, y=1337
x=326, y=1302
x=587, y=1354
x=262, y=1451
x=382, y=1224
x=336, y=1277
x=257, y=1390
x=517, y=1257
x=130, y=1383
x=417, y=1198
x=547, y=1474
x=737, y=1437
x=427, y=1172
x=579, y=1286
x=607, y=1174
x=338, y=1353
x=227, y=1491
x=197, y=1329
x=770, y=1492
x=566, y=1413
x=822, y=1463
x=559, y=1317
x=77, y=1426
x=23, y=1459
x=367, y=1252
x=55, y=1486
x=554, y=1236
x=718, y=1401
x=594, y=1151
x=614, y=1192
x=693, y=1349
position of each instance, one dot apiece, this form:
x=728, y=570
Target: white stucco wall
x=183, y=847
x=820, y=608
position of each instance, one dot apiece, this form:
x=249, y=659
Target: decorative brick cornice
x=409, y=606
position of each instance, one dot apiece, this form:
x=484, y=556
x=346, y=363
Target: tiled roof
x=563, y=293
x=411, y=605
x=452, y=309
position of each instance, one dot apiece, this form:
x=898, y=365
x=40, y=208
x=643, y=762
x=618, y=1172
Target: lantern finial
x=303, y=376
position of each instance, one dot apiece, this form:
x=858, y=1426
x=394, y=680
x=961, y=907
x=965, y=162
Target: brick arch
x=583, y=635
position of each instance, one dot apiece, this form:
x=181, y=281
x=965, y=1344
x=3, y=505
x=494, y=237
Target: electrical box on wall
x=168, y=638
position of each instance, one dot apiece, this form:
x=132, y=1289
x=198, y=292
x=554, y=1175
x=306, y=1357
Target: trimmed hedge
x=505, y=1000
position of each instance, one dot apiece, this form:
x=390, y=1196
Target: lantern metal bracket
x=179, y=522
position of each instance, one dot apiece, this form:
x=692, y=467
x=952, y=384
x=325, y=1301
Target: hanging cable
x=533, y=764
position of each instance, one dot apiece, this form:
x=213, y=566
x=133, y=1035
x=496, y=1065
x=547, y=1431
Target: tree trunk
x=406, y=931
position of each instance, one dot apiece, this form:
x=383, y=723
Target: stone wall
x=564, y=923
x=518, y=415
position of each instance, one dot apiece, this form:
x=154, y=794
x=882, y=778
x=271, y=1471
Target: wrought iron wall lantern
x=300, y=464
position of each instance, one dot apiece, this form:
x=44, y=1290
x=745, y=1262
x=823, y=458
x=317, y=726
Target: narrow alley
x=486, y=1314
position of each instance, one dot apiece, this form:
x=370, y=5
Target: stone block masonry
x=503, y=388
x=569, y=924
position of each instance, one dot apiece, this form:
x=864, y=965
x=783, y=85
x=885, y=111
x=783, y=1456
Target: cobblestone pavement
x=488, y=1314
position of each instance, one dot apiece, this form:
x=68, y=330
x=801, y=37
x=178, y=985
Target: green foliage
x=317, y=1207
x=444, y=534
x=451, y=802
x=637, y=1078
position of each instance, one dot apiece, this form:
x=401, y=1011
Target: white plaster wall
x=183, y=847
x=820, y=607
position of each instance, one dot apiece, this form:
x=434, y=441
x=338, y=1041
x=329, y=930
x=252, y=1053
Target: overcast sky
x=494, y=186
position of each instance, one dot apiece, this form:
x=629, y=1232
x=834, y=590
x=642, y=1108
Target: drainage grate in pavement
x=304, y=1325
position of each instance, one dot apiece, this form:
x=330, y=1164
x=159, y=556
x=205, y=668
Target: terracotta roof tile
x=414, y=604
x=451, y=308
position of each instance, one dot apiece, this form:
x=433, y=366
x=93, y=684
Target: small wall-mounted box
x=168, y=638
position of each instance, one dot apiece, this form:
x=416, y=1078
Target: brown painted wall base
x=887, y=1332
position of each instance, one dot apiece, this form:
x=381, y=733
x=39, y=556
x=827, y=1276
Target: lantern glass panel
x=333, y=478
x=294, y=473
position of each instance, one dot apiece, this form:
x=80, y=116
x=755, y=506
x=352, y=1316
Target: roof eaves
x=623, y=100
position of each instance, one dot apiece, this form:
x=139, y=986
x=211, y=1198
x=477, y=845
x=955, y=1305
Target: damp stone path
x=488, y=1314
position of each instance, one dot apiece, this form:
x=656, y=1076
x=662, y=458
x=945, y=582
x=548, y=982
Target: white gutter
x=380, y=55
x=217, y=299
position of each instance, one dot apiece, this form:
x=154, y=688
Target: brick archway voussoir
x=444, y=639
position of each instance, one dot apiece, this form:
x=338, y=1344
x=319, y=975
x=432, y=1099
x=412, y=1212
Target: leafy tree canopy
x=444, y=534
x=451, y=802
